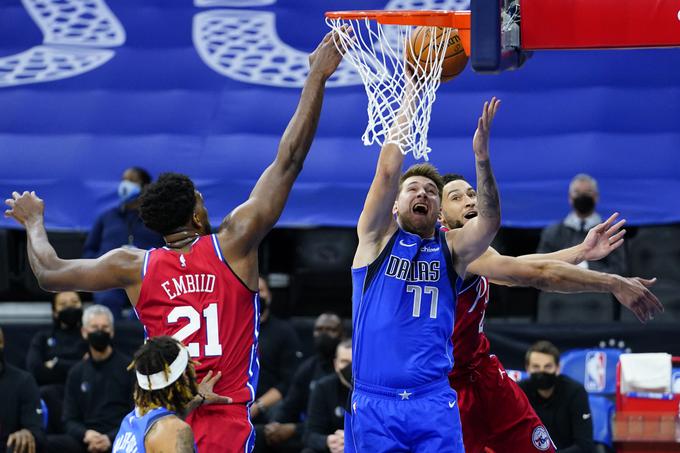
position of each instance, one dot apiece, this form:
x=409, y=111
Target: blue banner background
x=157, y=104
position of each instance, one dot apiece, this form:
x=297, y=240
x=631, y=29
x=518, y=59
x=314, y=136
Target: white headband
x=159, y=380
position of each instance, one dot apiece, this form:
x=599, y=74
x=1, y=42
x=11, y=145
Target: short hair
x=428, y=171
x=144, y=175
x=544, y=347
x=586, y=178
x=155, y=356
x=53, y=301
x=168, y=203
x=94, y=310
x=449, y=177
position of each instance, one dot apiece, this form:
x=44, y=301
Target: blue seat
x=602, y=410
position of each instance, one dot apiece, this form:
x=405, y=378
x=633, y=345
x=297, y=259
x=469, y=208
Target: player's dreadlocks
x=156, y=356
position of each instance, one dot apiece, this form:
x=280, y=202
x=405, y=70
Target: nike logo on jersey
x=585, y=416
x=401, y=242
x=451, y=404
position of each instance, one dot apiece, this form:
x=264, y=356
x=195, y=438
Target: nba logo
x=596, y=371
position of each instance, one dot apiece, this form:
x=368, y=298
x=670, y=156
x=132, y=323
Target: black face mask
x=584, y=204
x=99, y=340
x=70, y=317
x=346, y=375
x=543, y=381
x=325, y=345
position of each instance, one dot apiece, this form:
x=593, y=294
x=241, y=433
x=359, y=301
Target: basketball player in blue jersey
x=405, y=273
x=165, y=392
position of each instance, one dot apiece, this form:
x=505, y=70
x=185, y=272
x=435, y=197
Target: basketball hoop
x=377, y=42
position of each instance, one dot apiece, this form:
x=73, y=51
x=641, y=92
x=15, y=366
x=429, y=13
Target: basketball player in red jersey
x=200, y=288
x=495, y=412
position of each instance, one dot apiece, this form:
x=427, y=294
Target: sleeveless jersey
x=469, y=341
x=196, y=298
x=402, y=310
x=133, y=429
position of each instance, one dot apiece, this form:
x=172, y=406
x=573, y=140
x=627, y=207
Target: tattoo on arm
x=487, y=191
x=185, y=441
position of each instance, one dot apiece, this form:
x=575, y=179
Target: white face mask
x=128, y=190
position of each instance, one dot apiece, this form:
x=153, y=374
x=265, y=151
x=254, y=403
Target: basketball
x=421, y=43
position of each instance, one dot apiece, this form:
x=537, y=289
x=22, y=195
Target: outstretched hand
x=205, y=390
x=604, y=238
x=480, y=142
x=24, y=207
x=633, y=294
x=326, y=57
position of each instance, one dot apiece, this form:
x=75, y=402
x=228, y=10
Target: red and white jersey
x=469, y=341
x=196, y=298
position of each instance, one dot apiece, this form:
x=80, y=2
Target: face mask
x=345, y=375
x=584, y=204
x=544, y=381
x=128, y=190
x=99, y=340
x=325, y=345
x=70, y=317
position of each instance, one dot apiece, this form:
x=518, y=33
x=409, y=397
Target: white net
x=399, y=100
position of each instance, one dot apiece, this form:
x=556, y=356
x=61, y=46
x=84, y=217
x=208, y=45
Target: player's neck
x=181, y=239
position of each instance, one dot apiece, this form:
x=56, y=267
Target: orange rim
x=453, y=19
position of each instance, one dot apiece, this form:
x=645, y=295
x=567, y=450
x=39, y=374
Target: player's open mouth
x=420, y=208
x=470, y=214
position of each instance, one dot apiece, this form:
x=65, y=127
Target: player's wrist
x=261, y=408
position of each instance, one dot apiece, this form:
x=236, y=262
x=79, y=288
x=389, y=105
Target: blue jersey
x=403, y=313
x=133, y=429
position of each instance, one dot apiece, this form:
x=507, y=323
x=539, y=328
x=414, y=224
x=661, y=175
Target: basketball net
x=378, y=53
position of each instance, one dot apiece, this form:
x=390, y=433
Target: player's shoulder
x=166, y=430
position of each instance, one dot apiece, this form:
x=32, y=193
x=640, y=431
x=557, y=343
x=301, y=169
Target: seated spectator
x=560, y=402
x=121, y=226
x=98, y=390
x=279, y=351
x=284, y=432
x=324, y=430
x=20, y=412
x=54, y=351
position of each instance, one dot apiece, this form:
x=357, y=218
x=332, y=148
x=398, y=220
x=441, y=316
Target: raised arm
x=601, y=240
x=119, y=268
x=469, y=242
x=169, y=435
x=243, y=230
x=557, y=276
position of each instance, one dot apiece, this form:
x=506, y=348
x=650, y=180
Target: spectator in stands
x=583, y=198
x=326, y=414
x=54, y=351
x=98, y=390
x=560, y=402
x=121, y=226
x=285, y=431
x=279, y=349
x=20, y=412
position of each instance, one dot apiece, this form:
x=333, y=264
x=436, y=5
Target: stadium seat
x=655, y=252
x=602, y=410
x=571, y=308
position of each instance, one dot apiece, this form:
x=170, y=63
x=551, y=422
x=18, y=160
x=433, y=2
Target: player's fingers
x=613, y=246
x=613, y=229
x=15, y=195
x=611, y=219
x=31, y=445
x=646, y=282
x=654, y=303
x=207, y=377
x=618, y=236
